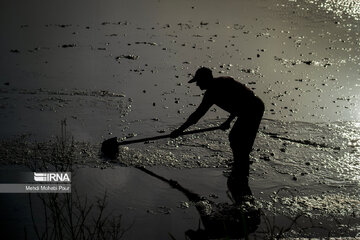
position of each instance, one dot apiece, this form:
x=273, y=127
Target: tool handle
x=168, y=135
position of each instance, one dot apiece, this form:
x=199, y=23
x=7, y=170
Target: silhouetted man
x=240, y=102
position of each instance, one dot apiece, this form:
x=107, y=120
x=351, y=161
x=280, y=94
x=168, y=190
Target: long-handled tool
x=109, y=147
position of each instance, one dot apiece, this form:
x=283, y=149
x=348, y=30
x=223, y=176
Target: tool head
x=110, y=148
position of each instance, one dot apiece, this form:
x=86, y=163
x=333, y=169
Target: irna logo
x=52, y=177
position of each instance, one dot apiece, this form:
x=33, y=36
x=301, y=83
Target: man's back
x=229, y=95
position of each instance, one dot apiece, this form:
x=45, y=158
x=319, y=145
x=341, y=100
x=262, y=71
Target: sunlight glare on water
x=340, y=7
x=351, y=159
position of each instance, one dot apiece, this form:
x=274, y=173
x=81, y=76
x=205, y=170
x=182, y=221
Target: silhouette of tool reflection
x=236, y=220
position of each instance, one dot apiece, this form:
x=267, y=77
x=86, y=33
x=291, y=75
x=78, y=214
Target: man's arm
x=194, y=117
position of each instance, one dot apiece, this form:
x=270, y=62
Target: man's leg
x=242, y=137
x=240, y=145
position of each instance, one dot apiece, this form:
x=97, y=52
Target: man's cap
x=201, y=73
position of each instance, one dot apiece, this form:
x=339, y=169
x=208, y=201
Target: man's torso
x=230, y=95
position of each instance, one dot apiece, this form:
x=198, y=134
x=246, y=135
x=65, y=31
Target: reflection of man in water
x=240, y=102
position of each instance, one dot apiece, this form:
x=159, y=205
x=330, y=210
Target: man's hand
x=225, y=126
x=176, y=133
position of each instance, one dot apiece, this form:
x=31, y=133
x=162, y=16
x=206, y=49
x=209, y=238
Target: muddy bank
x=323, y=152
x=277, y=143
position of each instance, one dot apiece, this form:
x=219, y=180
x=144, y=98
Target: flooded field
x=300, y=59
x=98, y=70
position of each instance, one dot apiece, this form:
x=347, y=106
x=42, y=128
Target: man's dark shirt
x=228, y=94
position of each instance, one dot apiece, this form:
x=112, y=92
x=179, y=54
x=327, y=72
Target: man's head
x=203, y=78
